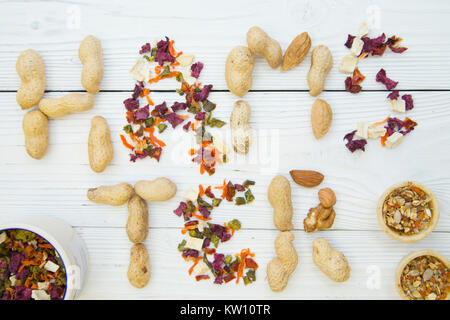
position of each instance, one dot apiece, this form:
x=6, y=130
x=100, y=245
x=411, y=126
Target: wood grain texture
x=57, y=184
x=373, y=259
x=283, y=141
x=60, y=26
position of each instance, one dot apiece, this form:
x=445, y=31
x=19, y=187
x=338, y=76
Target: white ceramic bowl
x=67, y=243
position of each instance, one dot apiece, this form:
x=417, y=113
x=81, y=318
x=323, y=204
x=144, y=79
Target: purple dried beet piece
x=218, y=261
x=143, y=113
x=349, y=41
x=22, y=274
x=205, y=212
x=349, y=136
x=356, y=145
x=239, y=187
x=196, y=68
x=191, y=253
x=16, y=260
x=186, y=126
x=200, y=116
x=22, y=293
x=218, y=280
x=136, y=92
x=393, y=95
x=409, y=103
x=161, y=109
x=204, y=94
x=206, y=242
x=131, y=104
x=381, y=77
x=6, y=295
x=162, y=52
x=145, y=48
x=173, y=119
x=181, y=209
x=177, y=106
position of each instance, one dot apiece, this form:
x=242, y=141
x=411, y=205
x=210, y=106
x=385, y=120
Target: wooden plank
x=373, y=258
x=56, y=185
x=53, y=30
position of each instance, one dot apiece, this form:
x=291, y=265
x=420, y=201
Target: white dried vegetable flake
x=394, y=140
x=40, y=295
x=201, y=225
x=200, y=269
x=376, y=132
x=194, y=243
x=185, y=60
x=362, y=129
x=51, y=266
x=2, y=237
x=42, y=285
x=141, y=71
x=219, y=145
x=364, y=29
x=357, y=46
x=398, y=105
x=191, y=194
x=348, y=64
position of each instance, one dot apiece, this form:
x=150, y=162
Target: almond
x=306, y=178
x=327, y=197
x=321, y=117
x=296, y=51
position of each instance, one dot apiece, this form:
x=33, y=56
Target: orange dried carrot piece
x=125, y=143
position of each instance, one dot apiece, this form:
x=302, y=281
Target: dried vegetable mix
x=204, y=237
x=30, y=268
x=425, y=278
x=391, y=130
x=194, y=114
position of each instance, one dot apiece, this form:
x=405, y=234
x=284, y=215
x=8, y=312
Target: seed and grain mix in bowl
x=408, y=210
x=425, y=278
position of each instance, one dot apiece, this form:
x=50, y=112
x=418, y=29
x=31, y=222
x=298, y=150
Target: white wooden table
x=57, y=184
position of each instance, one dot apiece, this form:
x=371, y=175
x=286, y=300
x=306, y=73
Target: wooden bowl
x=398, y=235
x=404, y=262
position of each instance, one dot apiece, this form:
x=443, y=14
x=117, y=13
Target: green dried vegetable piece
x=208, y=106
x=148, y=149
x=228, y=258
x=224, y=158
x=194, y=109
x=149, y=59
x=190, y=207
x=246, y=280
x=203, y=203
x=23, y=235
x=215, y=240
x=251, y=275
x=153, y=52
x=195, y=233
x=216, y=202
x=180, y=92
x=128, y=128
x=216, y=123
x=249, y=196
x=180, y=78
x=240, y=201
x=207, y=233
x=165, y=72
x=162, y=127
x=149, y=122
x=181, y=245
x=248, y=183
x=208, y=117
x=235, y=224
x=197, y=89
